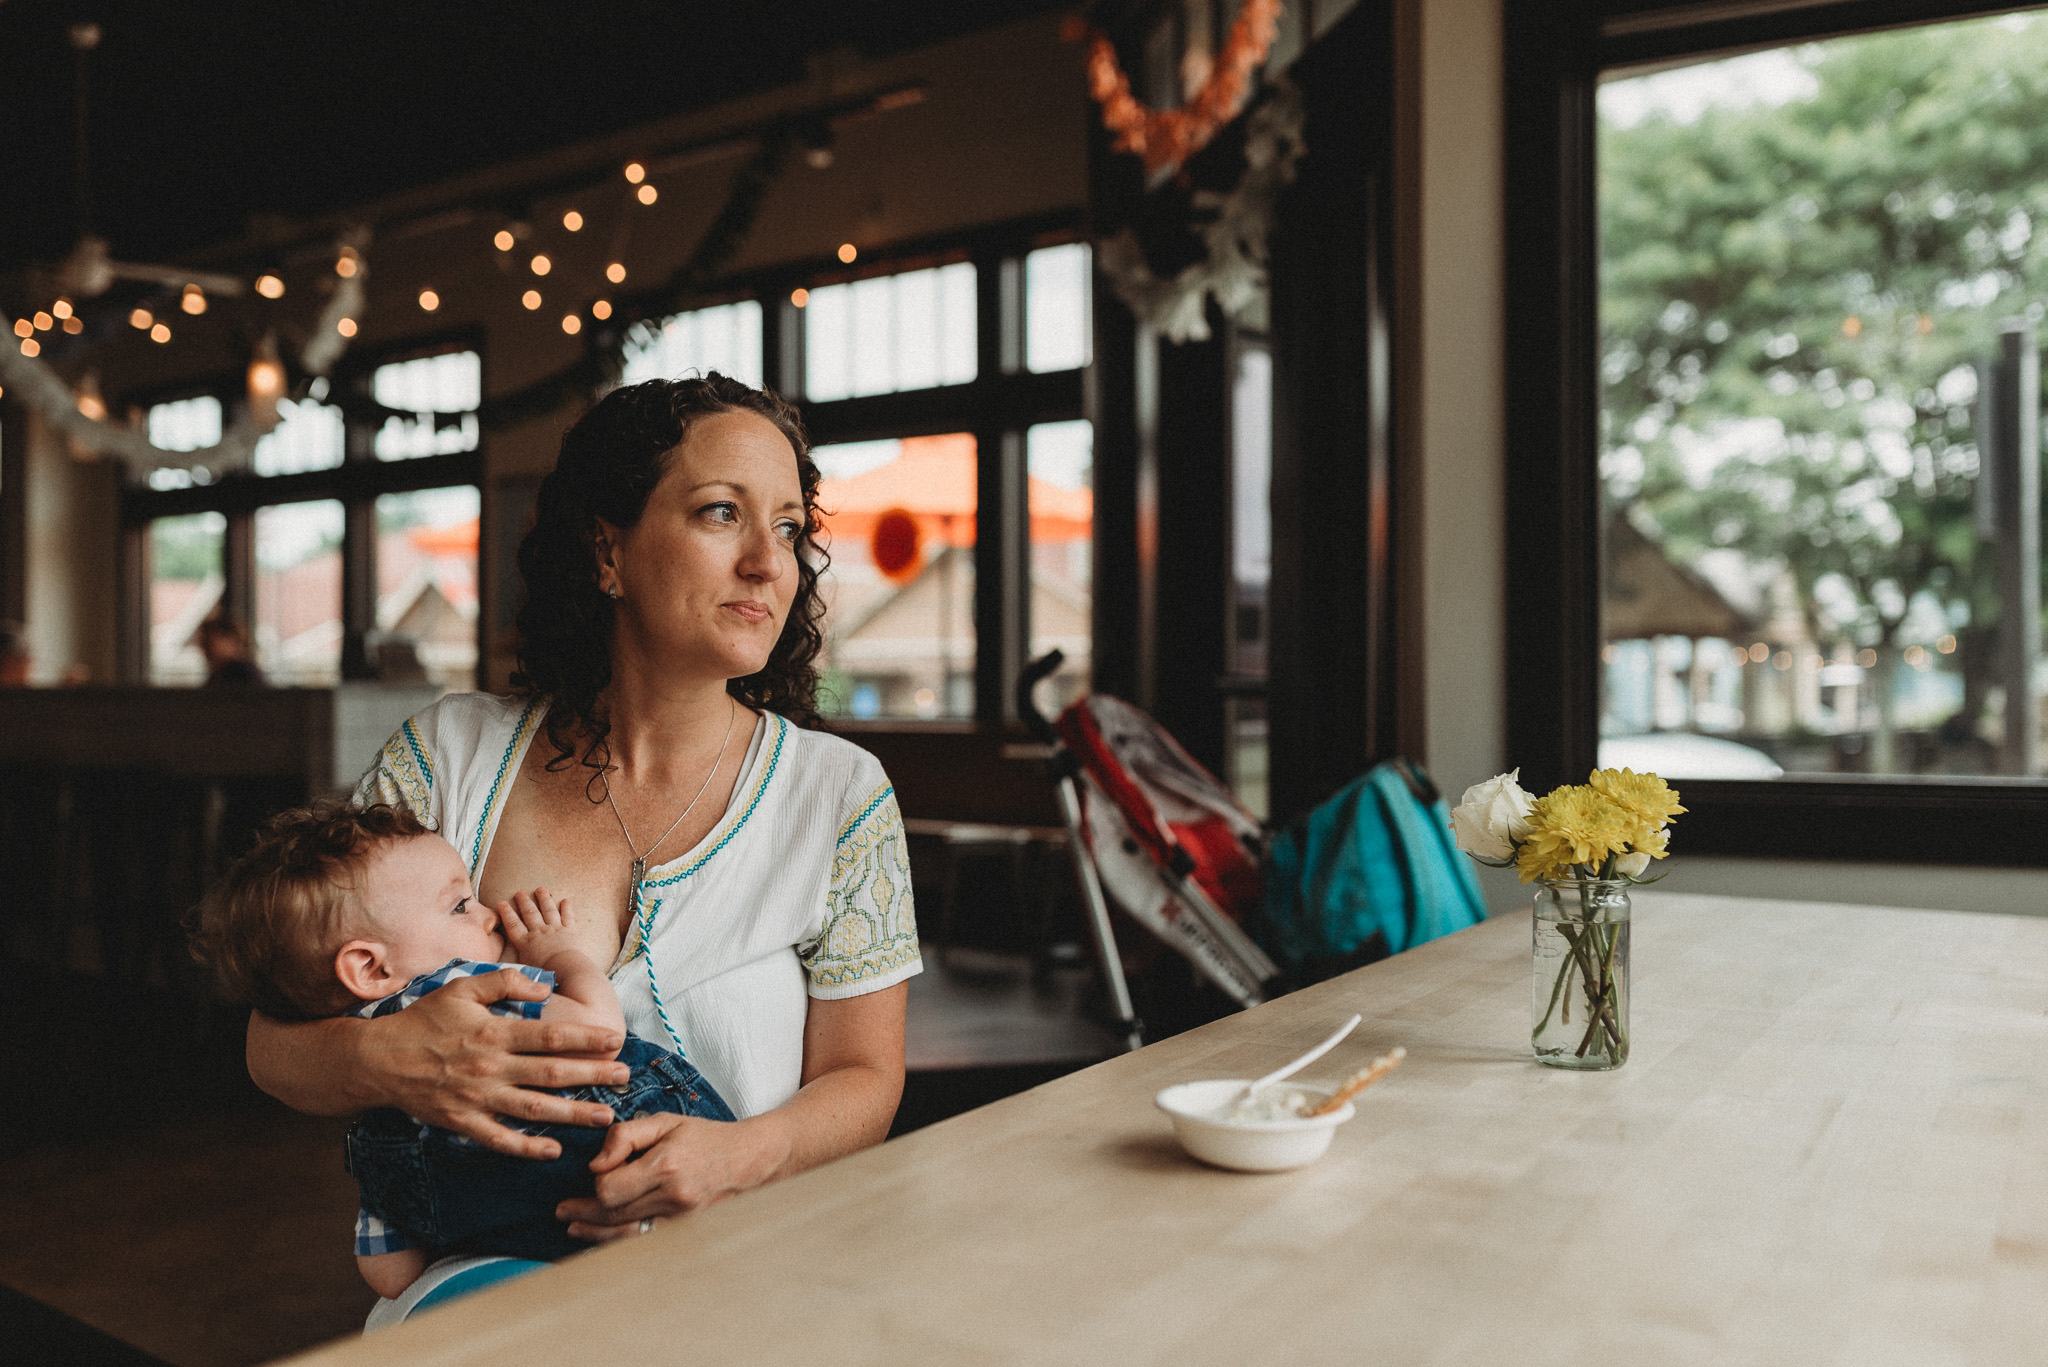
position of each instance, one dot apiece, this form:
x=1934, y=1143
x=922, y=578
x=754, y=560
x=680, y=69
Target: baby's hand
x=537, y=927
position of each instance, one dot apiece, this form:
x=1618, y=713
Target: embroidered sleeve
x=869, y=940
x=403, y=776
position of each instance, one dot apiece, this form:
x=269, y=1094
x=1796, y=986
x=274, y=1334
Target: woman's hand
x=447, y=1060
x=690, y=1163
x=667, y=1164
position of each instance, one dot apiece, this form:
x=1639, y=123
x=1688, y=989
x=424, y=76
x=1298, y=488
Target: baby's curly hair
x=271, y=926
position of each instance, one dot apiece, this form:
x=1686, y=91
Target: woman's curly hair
x=610, y=462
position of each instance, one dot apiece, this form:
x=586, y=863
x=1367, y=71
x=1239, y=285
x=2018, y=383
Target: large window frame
x=1555, y=51
x=356, y=484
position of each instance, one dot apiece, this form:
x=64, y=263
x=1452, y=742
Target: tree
x=1793, y=303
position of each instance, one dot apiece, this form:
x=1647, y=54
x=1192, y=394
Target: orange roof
x=933, y=480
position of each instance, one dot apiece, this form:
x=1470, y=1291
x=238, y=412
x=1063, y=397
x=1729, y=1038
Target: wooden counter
x=1830, y=1147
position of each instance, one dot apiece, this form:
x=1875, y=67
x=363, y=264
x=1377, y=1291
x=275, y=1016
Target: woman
x=745, y=878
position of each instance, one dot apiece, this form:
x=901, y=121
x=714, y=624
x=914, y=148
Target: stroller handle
x=1027, y=707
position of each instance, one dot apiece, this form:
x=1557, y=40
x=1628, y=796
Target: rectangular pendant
x=639, y=877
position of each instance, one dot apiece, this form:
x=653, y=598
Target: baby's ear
x=364, y=968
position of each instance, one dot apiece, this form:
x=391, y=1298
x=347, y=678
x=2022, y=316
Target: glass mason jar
x=1578, y=999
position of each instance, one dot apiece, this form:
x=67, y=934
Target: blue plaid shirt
x=372, y=1234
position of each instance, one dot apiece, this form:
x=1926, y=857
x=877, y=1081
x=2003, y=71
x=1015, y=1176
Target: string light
x=646, y=194
x=74, y=325
x=531, y=299
x=61, y=309
x=504, y=240
x=847, y=251
x=140, y=319
x=616, y=273
x=799, y=297
x=44, y=322
x=601, y=309
x=193, y=300
x=571, y=324
x=270, y=287
x=159, y=333
x=541, y=265
x=346, y=327
x=31, y=347
x=429, y=300
x=90, y=404
x=635, y=173
x=345, y=264
x=573, y=221
x=23, y=327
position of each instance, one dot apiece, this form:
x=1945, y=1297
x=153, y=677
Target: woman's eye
x=722, y=512
x=790, y=531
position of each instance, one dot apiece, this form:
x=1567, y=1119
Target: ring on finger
x=647, y=1224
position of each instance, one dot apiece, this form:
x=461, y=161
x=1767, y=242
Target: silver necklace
x=640, y=858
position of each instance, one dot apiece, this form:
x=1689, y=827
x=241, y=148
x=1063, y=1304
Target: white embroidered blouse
x=801, y=890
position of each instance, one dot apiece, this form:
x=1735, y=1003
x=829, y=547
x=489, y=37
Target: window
x=915, y=330
x=1060, y=461
x=270, y=545
x=184, y=586
x=899, y=592
x=725, y=338
x=298, y=594
x=426, y=585
x=1057, y=330
x=1248, y=757
x=443, y=390
x=1572, y=486
x=1809, y=294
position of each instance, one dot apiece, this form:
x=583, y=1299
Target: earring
x=611, y=591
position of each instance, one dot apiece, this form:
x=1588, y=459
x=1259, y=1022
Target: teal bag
x=1370, y=872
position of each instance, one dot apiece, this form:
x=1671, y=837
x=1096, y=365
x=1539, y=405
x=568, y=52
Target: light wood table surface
x=1829, y=1147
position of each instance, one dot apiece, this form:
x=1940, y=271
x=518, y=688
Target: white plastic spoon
x=1304, y=1061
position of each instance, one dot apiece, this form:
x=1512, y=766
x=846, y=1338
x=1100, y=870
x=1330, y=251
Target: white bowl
x=1197, y=1109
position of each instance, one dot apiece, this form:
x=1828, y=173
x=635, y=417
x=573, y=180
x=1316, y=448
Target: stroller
x=1152, y=829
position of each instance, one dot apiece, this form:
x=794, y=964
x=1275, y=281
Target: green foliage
x=185, y=547
x=1802, y=291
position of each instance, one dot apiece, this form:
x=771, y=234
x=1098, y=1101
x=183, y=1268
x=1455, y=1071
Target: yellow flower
x=1574, y=824
x=1648, y=797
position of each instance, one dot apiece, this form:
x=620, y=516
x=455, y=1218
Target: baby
x=347, y=911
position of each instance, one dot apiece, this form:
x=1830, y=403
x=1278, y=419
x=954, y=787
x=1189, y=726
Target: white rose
x=1632, y=865
x=1492, y=817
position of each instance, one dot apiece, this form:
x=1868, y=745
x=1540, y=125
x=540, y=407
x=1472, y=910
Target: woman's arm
x=447, y=1060
x=852, y=1080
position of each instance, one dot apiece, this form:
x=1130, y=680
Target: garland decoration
x=95, y=435
x=1233, y=267
x=1167, y=139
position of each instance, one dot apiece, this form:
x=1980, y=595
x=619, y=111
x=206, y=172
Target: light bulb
x=847, y=251
x=141, y=318
x=635, y=173
x=345, y=264
x=429, y=300
x=573, y=221
x=193, y=301
x=270, y=287
x=31, y=347
x=646, y=194
x=159, y=333
x=44, y=322
x=541, y=265
x=616, y=273
x=61, y=309
x=601, y=309
x=571, y=324
x=503, y=241
x=531, y=299
x=799, y=297
x=346, y=327
x=74, y=325
x=23, y=327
